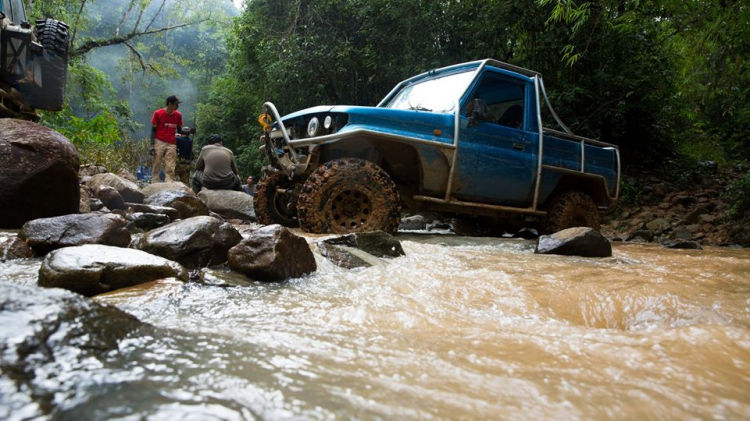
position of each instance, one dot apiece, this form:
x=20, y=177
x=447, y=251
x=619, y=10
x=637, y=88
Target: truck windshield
x=437, y=94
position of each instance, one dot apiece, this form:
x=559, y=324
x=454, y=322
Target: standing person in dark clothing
x=184, y=154
x=164, y=125
x=216, y=168
x=249, y=188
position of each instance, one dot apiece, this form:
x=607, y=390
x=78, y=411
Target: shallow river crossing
x=459, y=328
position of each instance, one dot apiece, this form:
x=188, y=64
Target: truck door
x=498, y=152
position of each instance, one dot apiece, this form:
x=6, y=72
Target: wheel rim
x=350, y=209
x=283, y=206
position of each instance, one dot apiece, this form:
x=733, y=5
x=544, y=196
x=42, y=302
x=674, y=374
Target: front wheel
x=571, y=209
x=349, y=195
x=275, y=202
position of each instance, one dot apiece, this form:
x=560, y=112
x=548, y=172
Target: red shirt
x=166, y=125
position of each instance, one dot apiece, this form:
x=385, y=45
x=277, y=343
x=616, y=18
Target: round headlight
x=313, y=126
x=327, y=122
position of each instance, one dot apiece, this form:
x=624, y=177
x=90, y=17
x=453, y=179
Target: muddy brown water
x=460, y=328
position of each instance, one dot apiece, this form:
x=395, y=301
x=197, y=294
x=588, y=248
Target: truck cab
x=467, y=140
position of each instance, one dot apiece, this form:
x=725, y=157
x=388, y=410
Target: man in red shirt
x=164, y=124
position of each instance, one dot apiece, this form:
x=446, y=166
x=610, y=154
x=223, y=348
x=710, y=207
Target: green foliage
x=738, y=193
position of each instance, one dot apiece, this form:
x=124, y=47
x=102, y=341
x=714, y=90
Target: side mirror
x=479, y=112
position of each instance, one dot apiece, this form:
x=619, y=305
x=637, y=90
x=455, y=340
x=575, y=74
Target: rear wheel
x=571, y=209
x=49, y=93
x=349, y=195
x=274, y=201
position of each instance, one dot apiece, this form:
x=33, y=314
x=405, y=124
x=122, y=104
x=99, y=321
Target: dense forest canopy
x=666, y=80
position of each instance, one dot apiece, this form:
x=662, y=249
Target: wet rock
x=142, y=222
x=579, y=241
x=38, y=173
x=658, y=226
x=642, y=235
x=48, y=336
x=694, y=216
x=682, y=233
x=95, y=269
x=352, y=251
x=272, y=253
x=413, y=223
x=172, y=213
x=84, y=206
x=95, y=205
x=187, y=204
x=47, y=234
x=223, y=277
x=687, y=245
x=109, y=197
x=155, y=188
x=194, y=242
x=14, y=248
x=527, y=234
x=229, y=204
x=127, y=189
x=439, y=226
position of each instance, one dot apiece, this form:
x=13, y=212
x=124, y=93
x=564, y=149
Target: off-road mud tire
x=269, y=205
x=349, y=195
x=53, y=35
x=571, y=209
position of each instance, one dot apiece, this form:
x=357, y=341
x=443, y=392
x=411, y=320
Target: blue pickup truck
x=465, y=140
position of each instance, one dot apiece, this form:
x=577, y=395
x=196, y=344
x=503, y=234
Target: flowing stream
x=459, y=328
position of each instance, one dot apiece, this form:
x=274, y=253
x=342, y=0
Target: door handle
x=519, y=146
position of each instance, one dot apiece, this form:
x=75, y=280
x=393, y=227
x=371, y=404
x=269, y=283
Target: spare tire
x=49, y=94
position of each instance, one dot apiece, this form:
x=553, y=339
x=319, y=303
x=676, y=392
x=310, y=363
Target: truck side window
x=504, y=98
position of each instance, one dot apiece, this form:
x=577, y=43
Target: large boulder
x=38, y=173
x=47, y=234
x=229, y=204
x=50, y=340
x=194, y=242
x=155, y=188
x=95, y=269
x=357, y=250
x=272, y=253
x=127, y=189
x=187, y=204
x=579, y=241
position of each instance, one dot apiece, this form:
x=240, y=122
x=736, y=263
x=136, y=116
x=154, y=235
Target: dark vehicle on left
x=33, y=62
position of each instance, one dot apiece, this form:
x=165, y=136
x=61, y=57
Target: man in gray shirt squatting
x=215, y=168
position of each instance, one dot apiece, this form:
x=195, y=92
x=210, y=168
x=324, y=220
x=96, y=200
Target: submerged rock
x=47, y=234
x=272, y=253
x=229, y=204
x=579, y=241
x=686, y=245
x=49, y=336
x=187, y=204
x=95, y=269
x=345, y=251
x=195, y=242
x=127, y=189
x=38, y=173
